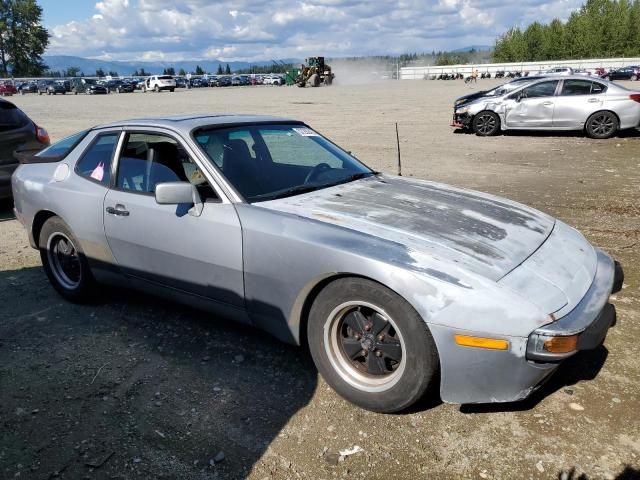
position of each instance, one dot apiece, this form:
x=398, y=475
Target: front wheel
x=156, y=89
x=371, y=346
x=171, y=90
x=486, y=124
x=634, y=78
x=64, y=262
x=601, y=125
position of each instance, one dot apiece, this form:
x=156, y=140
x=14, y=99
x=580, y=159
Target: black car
x=87, y=86
x=17, y=132
x=118, y=86
x=499, y=90
x=181, y=82
x=632, y=72
x=27, y=87
x=50, y=87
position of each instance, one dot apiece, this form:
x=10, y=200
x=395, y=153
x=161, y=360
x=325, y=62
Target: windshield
x=264, y=162
x=509, y=87
x=89, y=81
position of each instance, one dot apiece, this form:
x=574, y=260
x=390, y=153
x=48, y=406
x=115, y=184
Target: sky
x=251, y=30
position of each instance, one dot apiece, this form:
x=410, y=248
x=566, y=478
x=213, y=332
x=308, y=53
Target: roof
x=191, y=121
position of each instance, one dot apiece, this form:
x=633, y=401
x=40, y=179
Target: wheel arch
x=39, y=220
x=584, y=127
x=299, y=316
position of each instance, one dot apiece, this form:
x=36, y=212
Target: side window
x=543, y=89
x=597, y=88
x=576, y=87
x=148, y=159
x=95, y=163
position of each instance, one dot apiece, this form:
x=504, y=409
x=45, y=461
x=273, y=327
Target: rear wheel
x=371, y=346
x=64, y=262
x=171, y=89
x=634, y=77
x=601, y=125
x=608, y=78
x=156, y=89
x=314, y=80
x=486, y=123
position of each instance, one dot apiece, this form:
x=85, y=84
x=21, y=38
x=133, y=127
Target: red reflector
x=42, y=135
x=635, y=97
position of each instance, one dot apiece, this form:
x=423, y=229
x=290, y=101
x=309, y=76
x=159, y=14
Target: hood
x=486, y=235
x=470, y=97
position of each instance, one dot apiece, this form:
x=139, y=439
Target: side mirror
x=174, y=193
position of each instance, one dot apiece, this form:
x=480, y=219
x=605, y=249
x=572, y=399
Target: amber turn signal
x=482, y=342
x=561, y=344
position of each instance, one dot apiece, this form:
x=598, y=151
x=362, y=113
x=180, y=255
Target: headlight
x=462, y=110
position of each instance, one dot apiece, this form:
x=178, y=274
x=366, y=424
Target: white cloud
x=263, y=29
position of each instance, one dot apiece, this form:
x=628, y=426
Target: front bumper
x=589, y=320
x=476, y=375
x=461, y=120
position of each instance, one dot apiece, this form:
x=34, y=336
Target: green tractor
x=314, y=72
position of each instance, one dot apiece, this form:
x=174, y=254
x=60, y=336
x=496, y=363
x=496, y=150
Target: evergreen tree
x=100, y=72
x=182, y=73
x=199, y=70
x=23, y=39
x=219, y=71
x=227, y=70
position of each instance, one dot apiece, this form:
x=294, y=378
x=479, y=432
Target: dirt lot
x=134, y=387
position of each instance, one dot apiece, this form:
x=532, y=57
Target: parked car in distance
x=631, y=72
x=223, y=81
x=87, y=86
x=28, y=87
x=66, y=84
x=198, y=82
x=118, y=86
x=398, y=286
x=50, y=87
x=236, y=81
x=273, y=80
x=559, y=71
x=158, y=83
x=598, y=107
x=7, y=89
x=17, y=132
x=181, y=82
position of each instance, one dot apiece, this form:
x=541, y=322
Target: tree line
x=23, y=39
x=599, y=29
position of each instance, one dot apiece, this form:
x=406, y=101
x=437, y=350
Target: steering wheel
x=317, y=170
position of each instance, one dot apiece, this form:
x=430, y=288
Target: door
x=532, y=107
x=577, y=100
x=164, y=244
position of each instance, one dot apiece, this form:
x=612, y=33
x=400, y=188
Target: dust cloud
x=357, y=72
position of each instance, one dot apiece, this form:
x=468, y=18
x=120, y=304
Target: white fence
x=418, y=73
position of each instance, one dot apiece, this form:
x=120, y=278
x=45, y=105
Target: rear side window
x=11, y=117
x=63, y=147
x=95, y=163
x=581, y=87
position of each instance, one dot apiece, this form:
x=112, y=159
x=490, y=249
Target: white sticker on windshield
x=305, y=132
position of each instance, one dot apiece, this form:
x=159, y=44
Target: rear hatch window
x=61, y=149
x=11, y=117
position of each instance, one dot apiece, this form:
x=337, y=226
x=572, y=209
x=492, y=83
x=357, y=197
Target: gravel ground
x=134, y=387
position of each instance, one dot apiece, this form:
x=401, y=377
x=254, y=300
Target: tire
x=156, y=89
x=171, y=90
x=404, y=335
x=314, y=80
x=144, y=89
x=607, y=78
x=602, y=125
x=634, y=78
x=74, y=280
x=486, y=123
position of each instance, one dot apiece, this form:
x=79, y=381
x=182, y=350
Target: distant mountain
x=477, y=48
x=90, y=65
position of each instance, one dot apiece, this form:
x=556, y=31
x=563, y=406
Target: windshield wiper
x=351, y=178
x=295, y=190
x=311, y=187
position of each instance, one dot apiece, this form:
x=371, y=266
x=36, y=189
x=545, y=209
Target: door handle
x=547, y=104
x=118, y=210
x=593, y=100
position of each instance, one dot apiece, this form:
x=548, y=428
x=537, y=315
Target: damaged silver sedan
x=398, y=286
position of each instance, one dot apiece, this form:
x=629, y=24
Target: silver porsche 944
x=398, y=286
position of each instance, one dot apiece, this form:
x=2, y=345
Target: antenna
x=398, y=143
